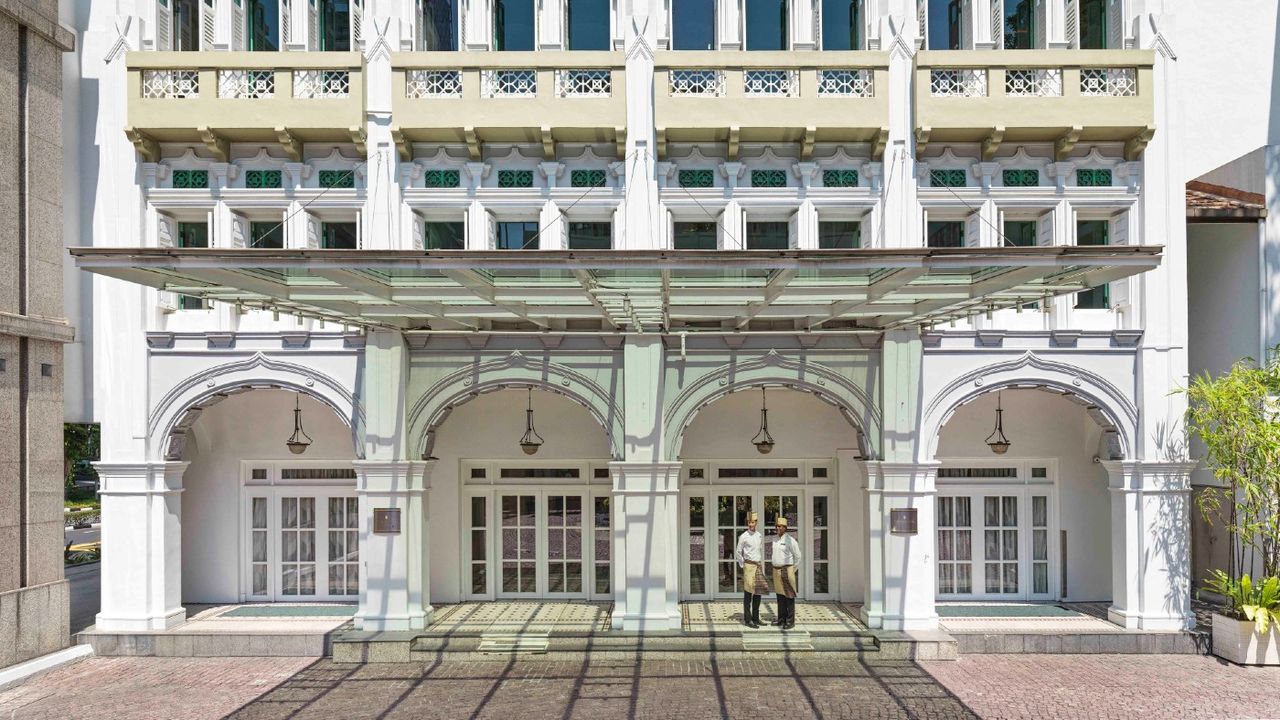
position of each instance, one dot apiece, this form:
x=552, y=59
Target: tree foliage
x=79, y=445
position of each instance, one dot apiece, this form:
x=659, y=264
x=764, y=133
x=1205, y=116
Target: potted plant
x=1236, y=417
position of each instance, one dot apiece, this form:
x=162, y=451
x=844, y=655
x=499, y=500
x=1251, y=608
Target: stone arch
x=773, y=369
x=516, y=370
x=1114, y=412
x=177, y=411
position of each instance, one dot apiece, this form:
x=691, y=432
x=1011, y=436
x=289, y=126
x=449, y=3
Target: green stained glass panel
x=840, y=178
x=696, y=178
x=262, y=179
x=189, y=179
x=515, y=178
x=768, y=178
x=586, y=178
x=946, y=178
x=442, y=178
x=337, y=178
x=1021, y=178
x=1097, y=177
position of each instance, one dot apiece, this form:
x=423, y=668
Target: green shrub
x=1258, y=603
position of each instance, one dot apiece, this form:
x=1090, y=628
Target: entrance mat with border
x=259, y=611
x=1004, y=611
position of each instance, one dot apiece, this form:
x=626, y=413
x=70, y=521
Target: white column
x=802, y=25
x=141, y=574
x=641, y=153
x=1150, y=545
x=901, y=579
x=901, y=212
x=395, y=593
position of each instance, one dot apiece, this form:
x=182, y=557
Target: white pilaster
x=901, y=577
x=141, y=575
x=1150, y=545
x=395, y=593
x=901, y=226
x=641, y=154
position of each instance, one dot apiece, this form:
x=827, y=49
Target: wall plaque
x=902, y=521
x=386, y=521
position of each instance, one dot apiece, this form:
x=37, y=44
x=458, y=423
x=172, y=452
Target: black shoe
x=753, y=625
x=788, y=625
x=776, y=622
x=756, y=622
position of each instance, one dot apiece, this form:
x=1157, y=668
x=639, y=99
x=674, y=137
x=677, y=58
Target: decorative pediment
x=1022, y=159
x=695, y=157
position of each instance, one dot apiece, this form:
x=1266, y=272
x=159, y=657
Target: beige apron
x=784, y=580
x=753, y=578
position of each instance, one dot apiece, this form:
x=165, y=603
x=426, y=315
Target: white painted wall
x=489, y=428
x=1042, y=425
x=250, y=426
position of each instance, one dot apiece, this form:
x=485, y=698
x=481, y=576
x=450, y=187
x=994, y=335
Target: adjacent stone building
x=33, y=592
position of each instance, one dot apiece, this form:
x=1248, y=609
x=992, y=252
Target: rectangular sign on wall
x=386, y=521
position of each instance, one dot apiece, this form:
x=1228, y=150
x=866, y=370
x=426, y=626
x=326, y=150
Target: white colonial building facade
x=530, y=274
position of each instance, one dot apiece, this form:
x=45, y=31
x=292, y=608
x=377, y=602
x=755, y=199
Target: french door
x=301, y=545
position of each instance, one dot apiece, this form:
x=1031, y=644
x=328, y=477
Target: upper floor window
x=700, y=235
x=192, y=235
x=841, y=24
x=339, y=236
x=186, y=24
x=693, y=24
x=590, y=235
x=944, y=24
x=263, y=18
x=513, y=24
x=1019, y=25
x=1094, y=21
x=266, y=235
x=944, y=234
x=444, y=236
x=1019, y=233
x=335, y=25
x=439, y=25
x=766, y=24
x=588, y=23
x=839, y=234
x=516, y=235
x=770, y=235
x=1093, y=232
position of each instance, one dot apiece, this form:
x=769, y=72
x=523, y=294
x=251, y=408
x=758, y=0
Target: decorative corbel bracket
x=473, y=142
x=216, y=144
x=662, y=143
x=922, y=139
x=548, y=144
x=1134, y=146
x=879, y=143
x=147, y=147
x=1063, y=146
x=806, y=145
x=991, y=143
x=291, y=145
x=734, y=133
x=620, y=142
x=402, y=144
x=358, y=138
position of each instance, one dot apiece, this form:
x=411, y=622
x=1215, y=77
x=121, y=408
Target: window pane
x=1019, y=25
x=193, y=235
x=767, y=24
x=266, y=235
x=439, y=18
x=478, y=518
x=841, y=24
x=513, y=25
x=590, y=235
x=1039, y=511
x=694, y=236
x=335, y=25
x=944, y=24
x=945, y=233
x=1093, y=24
x=264, y=24
x=186, y=25
x=444, y=236
x=517, y=236
x=962, y=512
x=767, y=236
x=696, y=512
x=588, y=23
x=693, y=24
x=479, y=578
x=338, y=236
x=821, y=583
x=839, y=235
x=1020, y=233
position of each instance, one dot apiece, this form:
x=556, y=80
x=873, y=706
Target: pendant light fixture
x=531, y=440
x=998, y=443
x=296, y=443
x=763, y=440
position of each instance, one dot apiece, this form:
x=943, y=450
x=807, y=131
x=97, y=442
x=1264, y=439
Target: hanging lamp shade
x=299, y=441
x=531, y=440
x=997, y=441
x=763, y=439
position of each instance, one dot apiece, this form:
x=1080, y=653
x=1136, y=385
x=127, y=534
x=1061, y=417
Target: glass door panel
x=731, y=514
x=564, y=544
x=1039, y=544
x=955, y=545
x=344, y=547
x=298, y=545
x=1000, y=527
x=697, y=546
x=519, y=544
x=820, y=553
x=787, y=506
x=259, y=540
x=479, y=536
x=603, y=536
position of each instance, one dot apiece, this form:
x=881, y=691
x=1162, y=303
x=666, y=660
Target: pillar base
x=395, y=623
x=651, y=622
x=1158, y=623
x=169, y=620
x=903, y=624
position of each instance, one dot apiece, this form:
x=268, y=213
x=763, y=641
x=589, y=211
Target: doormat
x=291, y=611
x=1003, y=611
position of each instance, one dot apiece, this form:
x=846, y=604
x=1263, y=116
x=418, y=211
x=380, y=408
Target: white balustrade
x=958, y=82
x=314, y=84
x=433, y=84
x=706, y=83
x=246, y=84
x=1033, y=82
x=170, y=84
x=846, y=82
x=509, y=83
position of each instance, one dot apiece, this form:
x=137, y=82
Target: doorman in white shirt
x=785, y=559
x=750, y=555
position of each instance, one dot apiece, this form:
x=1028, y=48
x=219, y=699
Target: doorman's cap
x=751, y=517
x=781, y=521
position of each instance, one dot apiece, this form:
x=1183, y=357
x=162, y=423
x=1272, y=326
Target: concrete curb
x=24, y=670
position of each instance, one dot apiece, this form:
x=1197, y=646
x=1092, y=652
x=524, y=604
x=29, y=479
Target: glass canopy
x=633, y=291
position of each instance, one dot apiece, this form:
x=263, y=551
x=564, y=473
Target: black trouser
x=786, y=609
x=750, y=607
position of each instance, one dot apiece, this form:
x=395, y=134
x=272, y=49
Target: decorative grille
x=768, y=178
x=442, y=178
x=946, y=178
x=1097, y=177
x=1033, y=82
x=170, y=84
x=509, y=83
x=779, y=83
x=191, y=179
x=709, y=83
x=262, y=179
x=586, y=178
x=433, y=83
x=247, y=84
x=584, y=83
x=1113, y=82
x=847, y=82
x=696, y=178
x=337, y=179
x=321, y=83
x=515, y=178
x=1024, y=177
x=840, y=178
x=959, y=82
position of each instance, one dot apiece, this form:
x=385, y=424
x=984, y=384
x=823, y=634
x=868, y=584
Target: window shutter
x=239, y=231
x=418, y=27
x=1072, y=19
x=966, y=24
x=315, y=231
x=166, y=231
x=922, y=20
x=313, y=27
x=237, y=26
x=1118, y=234
x=1041, y=14
x=286, y=23
x=793, y=231
x=164, y=26
x=1115, y=24
x=492, y=221
x=997, y=23
x=357, y=24
x=207, y=19
x=1044, y=230
x=973, y=230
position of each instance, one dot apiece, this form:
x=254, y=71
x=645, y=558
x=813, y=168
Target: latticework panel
x=321, y=83
x=846, y=82
x=433, y=83
x=246, y=84
x=1033, y=82
x=584, y=83
x=708, y=83
x=774, y=83
x=1111, y=82
x=509, y=83
x=170, y=84
x=958, y=82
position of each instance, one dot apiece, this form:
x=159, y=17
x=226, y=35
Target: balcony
x=1064, y=96
x=508, y=97
x=802, y=97
x=218, y=98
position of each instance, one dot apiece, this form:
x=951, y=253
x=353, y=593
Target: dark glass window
x=945, y=234
x=439, y=23
x=944, y=24
x=335, y=25
x=444, y=236
x=767, y=24
x=193, y=235
x=1020, y=233
x=513, y=25
x=263, y=17
x=1092, y=232
x=186, y=25
x=1093, y=24
x=517, y=235
x=767, y=235
x=338, y=236
x=588, y=22
x=1019, y=25
x=590, y=235
x=693, y=24
x=694, y=235
x=266, y=235
x=841, y=24
x=839, y=234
